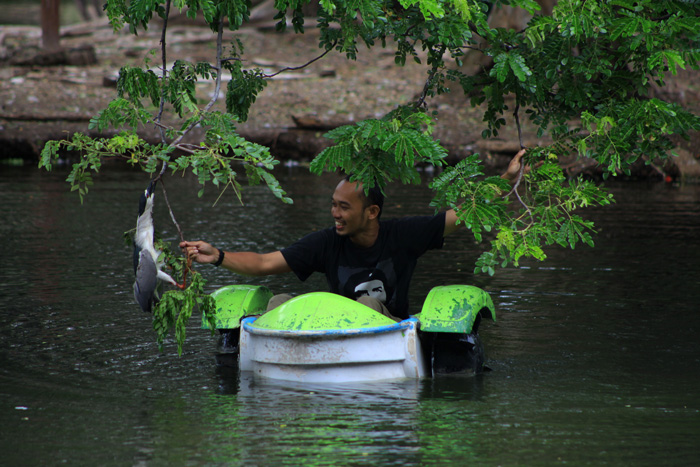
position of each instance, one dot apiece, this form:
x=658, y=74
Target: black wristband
x=221, y=258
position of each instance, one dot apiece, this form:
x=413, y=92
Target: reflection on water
x=595, y=354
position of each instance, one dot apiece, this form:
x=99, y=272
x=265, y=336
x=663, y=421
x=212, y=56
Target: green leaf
x=501, y=66
x=517, y=64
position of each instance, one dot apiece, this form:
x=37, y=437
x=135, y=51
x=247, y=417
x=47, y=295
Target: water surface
x=595, y=355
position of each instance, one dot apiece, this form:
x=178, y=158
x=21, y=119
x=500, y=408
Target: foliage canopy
x=583, y=75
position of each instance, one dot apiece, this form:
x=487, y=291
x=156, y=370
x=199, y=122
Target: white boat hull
x=368, y=354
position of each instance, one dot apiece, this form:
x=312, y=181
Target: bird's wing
x=146, y=281
x=144, y=222
x=136, y=256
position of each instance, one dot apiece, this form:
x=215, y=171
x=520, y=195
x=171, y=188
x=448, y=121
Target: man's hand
x=511, y=174
x=200, y=252
x=513, y=169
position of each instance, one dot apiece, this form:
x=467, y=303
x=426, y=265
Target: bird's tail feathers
x=164, y=276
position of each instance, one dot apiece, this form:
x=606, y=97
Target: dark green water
x=595, y=357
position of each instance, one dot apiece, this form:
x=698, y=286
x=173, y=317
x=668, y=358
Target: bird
x=146, y=263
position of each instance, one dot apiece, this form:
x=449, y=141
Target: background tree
x=50, y=24
x=581, y=74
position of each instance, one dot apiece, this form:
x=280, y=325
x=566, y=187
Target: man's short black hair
x=374, y=196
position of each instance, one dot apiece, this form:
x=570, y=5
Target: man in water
x=362, y=257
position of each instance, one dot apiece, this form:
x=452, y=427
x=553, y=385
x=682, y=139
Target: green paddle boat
x=324, y=337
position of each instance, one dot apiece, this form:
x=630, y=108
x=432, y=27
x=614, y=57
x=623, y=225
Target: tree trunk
x=50, y=22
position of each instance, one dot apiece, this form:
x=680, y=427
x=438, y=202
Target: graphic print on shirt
x=374, y=288
x=378, y=282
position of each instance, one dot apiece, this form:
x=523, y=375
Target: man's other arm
x=511, y=174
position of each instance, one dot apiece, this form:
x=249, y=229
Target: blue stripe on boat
x=247, y=324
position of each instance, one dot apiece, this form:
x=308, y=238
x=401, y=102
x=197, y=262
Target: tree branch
x=521, y=172
x=170, y=210
x=428, y=82
x=176, y=142
x=294, y=68
x=164, y=72
x=217, y=89
x=516, y=115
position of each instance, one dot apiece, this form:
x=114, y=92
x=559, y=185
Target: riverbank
x=49, y=97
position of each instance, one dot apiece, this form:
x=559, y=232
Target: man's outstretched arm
x=246, y=263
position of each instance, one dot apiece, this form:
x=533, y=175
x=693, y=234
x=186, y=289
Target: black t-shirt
x=383, y=270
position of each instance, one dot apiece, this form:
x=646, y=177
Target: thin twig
x=521, y=172
x=188, y=264
x=170, y=210
x=516, y=114
x=426, y=87
x=294, y=68
x=428, y=83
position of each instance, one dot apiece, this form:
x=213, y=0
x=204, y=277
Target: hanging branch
x=521, y=172
x=161, y=107
x=164, y=74
x=176, y=143
x=161, y=127
x=217, y=89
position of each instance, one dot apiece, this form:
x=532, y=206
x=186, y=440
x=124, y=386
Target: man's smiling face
x=352, y=218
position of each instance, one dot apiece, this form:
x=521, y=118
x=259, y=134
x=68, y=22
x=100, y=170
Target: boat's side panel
x=389, y=353
x=340, y=350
